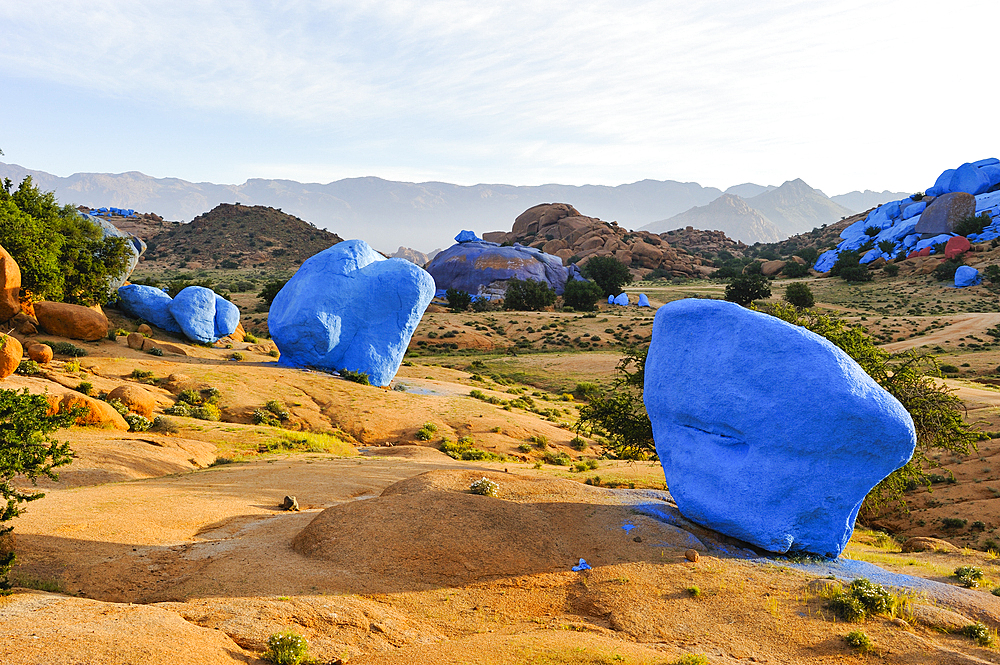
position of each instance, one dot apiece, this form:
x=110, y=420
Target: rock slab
x=72, y=321
x=767, y=432
x=349, y=307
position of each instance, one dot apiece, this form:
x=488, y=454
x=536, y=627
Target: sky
x=847, y=95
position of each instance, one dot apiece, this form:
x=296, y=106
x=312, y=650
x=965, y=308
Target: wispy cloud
x=603, y=91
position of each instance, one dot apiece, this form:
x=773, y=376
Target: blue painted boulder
x=349, y=307
x=966, y=276
x=480, y=267
x=202, y=315
x=622, y=299
x=135, y=246
x=767, y=432
x=467, y=236
x=611, y=300
x=149, y=304
x=643, y=300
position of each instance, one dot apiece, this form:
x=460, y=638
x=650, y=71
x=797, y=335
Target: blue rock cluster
x=119, y=212
x=479, y=267
x=350, y=308
x=621, y=299
x=198, y=313
x=643, y=300
x=136, y=246
x=897, y=220
x=767, y=432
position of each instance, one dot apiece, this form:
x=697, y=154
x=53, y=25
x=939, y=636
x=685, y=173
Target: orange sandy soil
x=145, y=553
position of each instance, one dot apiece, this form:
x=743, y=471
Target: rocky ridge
x=560, y=229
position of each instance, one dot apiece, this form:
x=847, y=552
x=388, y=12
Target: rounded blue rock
x=149, y=304
x=349, y=307
x=195, y=309
x=767, y=432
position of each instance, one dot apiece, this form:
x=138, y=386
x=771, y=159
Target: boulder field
x=350, y=308
x=766, y=431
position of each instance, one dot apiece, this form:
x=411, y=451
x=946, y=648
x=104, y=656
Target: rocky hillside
x=729, y=214
x=559, y=229
x=707, y=244
x=414, y=256
x=231, y=236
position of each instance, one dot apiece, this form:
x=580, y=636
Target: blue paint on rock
x=783, y=469
x=135, y=246
x=194, y=310
x=622, y=299
x=349, y=307
x=643, y=300
x=611, y=300
x=227, y=317
x=966, y=276
x=467, y=236
x=478, y=267
x=149, y=304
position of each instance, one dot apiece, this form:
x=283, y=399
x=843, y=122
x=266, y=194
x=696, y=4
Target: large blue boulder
x=480, y=267
x=149, y=304
x=349, y=307
x=202, y=315
x=767, y=432
x=969, y=179
x=621, y=299
x=966, y=276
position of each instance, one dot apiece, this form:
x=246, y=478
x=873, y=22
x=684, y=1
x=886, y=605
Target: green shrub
x=980, y=633
x=857, y=639
x=269, y=291
x=847, y=608
x=556, y=459
x=27, y=368
x=691, y=659
x=356, y=377
x=190, y=397
x=164, y=424
x=85, y=387
x=608, y=273
x=744, y=289
x=973, y=224
x=463, y=450
x=66, y=349
x=949, y=369
x=524, y=448
x=578, y=443
x=426, y=433
x=528, y=295
x=969, y=576
x=137, y=423
x=795, y=269
x=206, y=412
x=891, y=269
x=237, y=356
x=178, y=409
x=274, y=353
x=581, y=296
x=26, y=452
x=946, y=269
x=799, y=294
x=484, y=487
x=286, y=648
x=856, y=274
x=277, y=409
x=250, y=339
x=541, y=441
x=265, y=417
x=155, y=351
x=458, y=301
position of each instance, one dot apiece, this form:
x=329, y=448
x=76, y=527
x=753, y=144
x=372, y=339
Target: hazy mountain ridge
x=728, y=213
x=858, y=201
x=795, y=207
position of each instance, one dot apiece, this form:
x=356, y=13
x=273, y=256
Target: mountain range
x=426, y=215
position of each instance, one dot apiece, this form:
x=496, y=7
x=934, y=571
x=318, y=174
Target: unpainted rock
x=40, y=353
x=144, y=329
x=10, y=286
x=99, y=413
x=922, y=544
x=769, y=268
x=136, y=399
x=10, y=355
x=945, y=212
x=940, y=618
x=72, y=321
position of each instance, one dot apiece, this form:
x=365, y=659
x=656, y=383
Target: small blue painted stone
x=643, y=300
x=966, y=276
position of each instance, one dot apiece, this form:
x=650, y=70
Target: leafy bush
x=484, y=487
x=794, y=269
x=691, y=659
x=458, y=301
x=946, y=269
x=857, y=639
x=265, y=417
x=969, y=576
x=27, y=368
x=891, y=269
x=578, y=443
x=62, y=256
x=426, y=433
x=980, y=633
x=528, y=295
x=861, y=598
x=237, y=356
x=286, y=648
x=164, y=424
x=856, y=274
x=137, y=423
x=276, y=408
x=581, y=296
x=66, y=349
x=250, y=339
x=356, y=377
x=608, y=273
x=620, y=413
x=973, y=224
x=155, y=351
x=27, y=452
x=270, y=290
x=799, y=294
x=464, y=450
x=206, y=412
x=85, y=387
x=744, y=289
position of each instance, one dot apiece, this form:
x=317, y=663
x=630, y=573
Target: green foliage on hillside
x=744, y=289
x=609, y=273
x=26, y=451
x=528, y=295
x=62, y=256
x=581, y=296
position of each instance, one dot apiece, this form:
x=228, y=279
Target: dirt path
x=958, y=326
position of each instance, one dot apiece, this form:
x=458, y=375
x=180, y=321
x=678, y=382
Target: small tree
x=581, y=296
x=270, y=290
x=458, y=301
x=620, y=413
x=609, y=273
x=799, y=294
x=26, y=450
x=528, y=295
x=744, y=289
